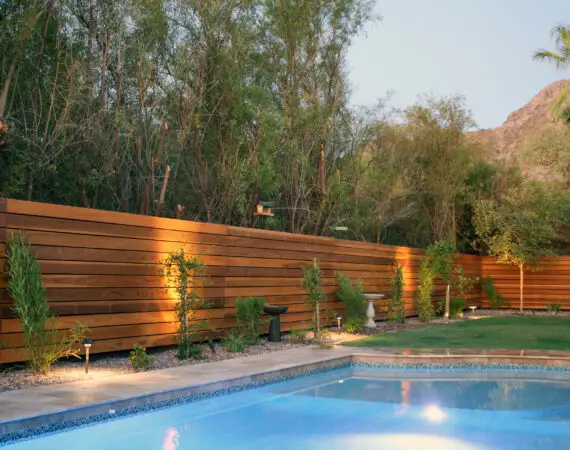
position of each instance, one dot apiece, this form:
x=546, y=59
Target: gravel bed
x=112, y=364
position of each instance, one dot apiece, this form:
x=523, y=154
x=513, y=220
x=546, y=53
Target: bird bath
x=370, y=313
x=275, y=312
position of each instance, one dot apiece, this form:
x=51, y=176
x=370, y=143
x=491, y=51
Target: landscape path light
x=87, y=343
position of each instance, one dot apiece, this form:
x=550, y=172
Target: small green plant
x=190, y=350
x=248, y=315
x=461, y=283
x=352, y=325
x=425, y=289
x=31, y=306
x=456, y=307
x=325, y=333
x=235, y=342
x=298, y=336
x=396, y=305
x=312, y=284
x=553, y=309
x=353, y=299
x=140, y=359
x=495, y=299
x=184, y=274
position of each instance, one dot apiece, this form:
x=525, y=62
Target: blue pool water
x=351, y=408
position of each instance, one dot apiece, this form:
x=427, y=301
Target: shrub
x=456, y=307
x=298, y=336
x=184, y=275
x=353, y=299
x=140, y=359
x=495, y=299
x=553, y=309
x=396, y=305
x=248, y=315
x=425, y=289
x=461, y=283
x=235, y=342
x=32, y=308
x=189, y=349
x=352, y=325
x=312, y=285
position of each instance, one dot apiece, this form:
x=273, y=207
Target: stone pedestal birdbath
x=370, y=313
x=275, y=312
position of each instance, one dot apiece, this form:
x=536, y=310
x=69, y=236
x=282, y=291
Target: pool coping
x=264, y=369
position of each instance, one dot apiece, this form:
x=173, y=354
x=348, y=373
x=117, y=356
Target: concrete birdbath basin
x=275, y=312
x=370, y=313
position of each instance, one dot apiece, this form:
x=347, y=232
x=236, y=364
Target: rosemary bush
x=353, y=299
x=43, y=345
x=248, y=316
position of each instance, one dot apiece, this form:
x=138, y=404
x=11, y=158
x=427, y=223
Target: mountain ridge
x=506, y=141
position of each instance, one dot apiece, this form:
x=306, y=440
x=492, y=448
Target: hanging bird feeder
x=264, y=209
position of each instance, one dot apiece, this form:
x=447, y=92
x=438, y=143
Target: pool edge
x=22, y=428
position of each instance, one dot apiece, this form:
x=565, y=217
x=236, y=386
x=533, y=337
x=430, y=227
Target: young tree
x=442, y=255
x=520, y=227
x=312, y=284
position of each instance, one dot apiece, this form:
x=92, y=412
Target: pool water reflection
x=353, y=408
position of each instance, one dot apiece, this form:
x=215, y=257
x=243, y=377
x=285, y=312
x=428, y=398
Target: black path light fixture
x=87, y=343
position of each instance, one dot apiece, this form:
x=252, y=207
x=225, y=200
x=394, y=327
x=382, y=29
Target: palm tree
x=561, y=58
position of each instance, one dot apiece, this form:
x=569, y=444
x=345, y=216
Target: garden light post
x=338, y=319
x=87, y=343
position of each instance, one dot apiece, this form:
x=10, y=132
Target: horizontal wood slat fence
x=102, y=269
x=549, y=285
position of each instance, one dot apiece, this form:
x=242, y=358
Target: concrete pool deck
x=43, y=405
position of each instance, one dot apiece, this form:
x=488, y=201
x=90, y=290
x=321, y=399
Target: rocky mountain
x=507, y=140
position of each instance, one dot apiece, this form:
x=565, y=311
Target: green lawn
x=538, y=333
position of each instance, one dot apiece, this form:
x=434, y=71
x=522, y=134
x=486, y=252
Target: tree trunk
x=318, y=313
x=447, y=295
x=6, y=85
x=160, y=205
x=521, y=288
x=378, y=223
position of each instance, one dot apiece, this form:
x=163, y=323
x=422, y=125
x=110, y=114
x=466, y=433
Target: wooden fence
x=102, y=269
x=551, y=284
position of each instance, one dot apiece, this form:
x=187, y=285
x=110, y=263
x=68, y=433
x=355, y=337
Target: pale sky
x=479, y=48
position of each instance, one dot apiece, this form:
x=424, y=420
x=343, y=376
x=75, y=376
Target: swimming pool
x=353, y=407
